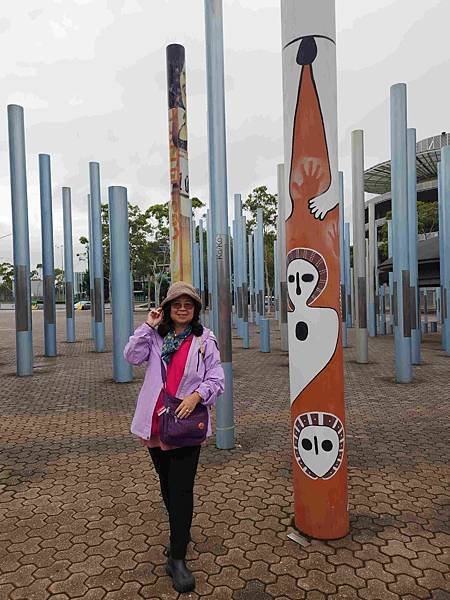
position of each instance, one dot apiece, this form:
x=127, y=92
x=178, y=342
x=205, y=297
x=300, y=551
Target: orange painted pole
x=180, y=206
x=313, y=268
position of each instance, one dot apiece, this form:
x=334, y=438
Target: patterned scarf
x=172, y=342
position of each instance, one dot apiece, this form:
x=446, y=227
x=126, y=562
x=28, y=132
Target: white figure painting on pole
x=313, y=268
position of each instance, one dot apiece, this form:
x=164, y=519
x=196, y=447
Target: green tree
x=427, y=222
x=261, y=198
x=6, y=280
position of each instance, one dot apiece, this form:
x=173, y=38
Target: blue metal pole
x=263, y=321
x=276, y=272
x=442, y=256
x=97, y=247
x=342, y=261
x=251, y=273
x=21, y=243
x=382, y=294
x=120, y=280
x=238, y=254
x=68, y=264
x=218, y=195
x=390, y=328
x=235, y=279
x=48, y=267
x=399, y=186
x=412, y=238
x=244, y=280
x=202, y=268
x=445, y=171
x=209, y=236
x=348, y=277
x=260, y=256
x=256, y=276
x=91, y=268
x=281, y=244
x=372, y=318
x=359, y=248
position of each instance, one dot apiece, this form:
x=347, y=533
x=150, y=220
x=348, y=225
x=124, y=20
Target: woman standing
x=183, y=363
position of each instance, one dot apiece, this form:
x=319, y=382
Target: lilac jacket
x=203, y=374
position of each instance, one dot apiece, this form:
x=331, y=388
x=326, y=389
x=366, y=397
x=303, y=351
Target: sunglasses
x=181, y=305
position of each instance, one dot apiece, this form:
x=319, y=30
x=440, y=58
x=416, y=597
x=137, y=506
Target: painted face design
x=318, y=444
x=313, y=331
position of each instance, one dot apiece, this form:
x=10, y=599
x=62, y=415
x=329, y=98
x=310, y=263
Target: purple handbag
x=190, y=431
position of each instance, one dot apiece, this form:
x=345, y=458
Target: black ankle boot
x=182, y=579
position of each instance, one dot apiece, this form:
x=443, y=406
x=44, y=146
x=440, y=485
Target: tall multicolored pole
x=180, y=205
x=313, y=273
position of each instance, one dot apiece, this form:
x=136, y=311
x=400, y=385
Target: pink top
x=175, y=372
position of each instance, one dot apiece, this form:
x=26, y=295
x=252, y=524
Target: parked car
x=83, y=305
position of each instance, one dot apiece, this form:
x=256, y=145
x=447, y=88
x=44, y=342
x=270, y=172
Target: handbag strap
x=163, y=374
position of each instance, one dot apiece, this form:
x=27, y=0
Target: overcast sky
x=91, y=77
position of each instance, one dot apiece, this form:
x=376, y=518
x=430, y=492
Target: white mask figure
x=318, y=444
x=313, y=332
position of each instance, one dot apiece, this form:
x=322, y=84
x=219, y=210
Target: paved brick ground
x=81, y=517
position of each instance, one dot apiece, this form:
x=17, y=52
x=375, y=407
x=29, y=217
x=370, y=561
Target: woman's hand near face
x=187, y=405
x=154, y=317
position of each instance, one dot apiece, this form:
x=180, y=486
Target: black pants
x=176, y=470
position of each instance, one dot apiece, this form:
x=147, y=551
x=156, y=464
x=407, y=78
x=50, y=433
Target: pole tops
x=14, y=108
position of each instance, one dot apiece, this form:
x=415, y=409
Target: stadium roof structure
x=377, y=179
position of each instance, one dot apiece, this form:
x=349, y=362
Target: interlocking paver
x=81, y=515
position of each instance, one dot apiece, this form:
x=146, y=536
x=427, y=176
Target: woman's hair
x=167, y=323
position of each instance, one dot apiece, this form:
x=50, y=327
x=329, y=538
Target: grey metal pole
x=236, y=323
x=202, y=267
x=97, y=256
x=244, y=281
x=237, y=230
x=48, y=259
x=441, y=253
x=445, y=170
x=352, y=295
x=382, y=293
x=263, y=321
x=391, y=280
x=276, y=272
x=251, y=273
x=218, y=195
x=399, y=187
x=120, y=280
x=359, y=254
x=209, y=246
x=412, y=238
x=68, y=264
x=21, y=242
x=260, y=258
x=91, y=268
x=281, y=232
x=371, y=272
x=256, y=277
x=342, y=260
x=348, y=275
x=425, y=311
